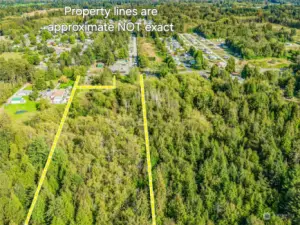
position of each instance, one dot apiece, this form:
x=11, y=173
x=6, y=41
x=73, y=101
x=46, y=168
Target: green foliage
x=222, y=152
x=39, y=82
x=230, y=67
x=43, y=104
x=133, y=75
x=170, y=62
x=51, y=85
x=210, y=142
x=143, y=61
x=81, y=36
x=105, y=77
x=110, y=58
x=34, y=95
x=46, y=35
x=248, y=40
x=33, y=58
x=214, y=71
x=15, y=71
x=37, y=152
x=65, y=59
x=109, y=46
x=72, y=39
x=163, y=70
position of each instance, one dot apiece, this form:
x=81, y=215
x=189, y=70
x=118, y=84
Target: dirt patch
x=148, y=49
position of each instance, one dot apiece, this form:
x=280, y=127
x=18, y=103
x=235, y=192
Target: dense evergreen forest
x=97, y=175
x=222, y=153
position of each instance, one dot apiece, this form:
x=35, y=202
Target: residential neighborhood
x=55, y=96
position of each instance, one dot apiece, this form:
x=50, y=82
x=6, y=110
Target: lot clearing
x=269, y=63
x=148, y=49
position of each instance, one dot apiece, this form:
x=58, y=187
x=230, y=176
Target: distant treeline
x=24, y=2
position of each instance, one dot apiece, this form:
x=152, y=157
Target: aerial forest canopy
x=221, y=152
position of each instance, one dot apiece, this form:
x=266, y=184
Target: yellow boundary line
x=58, y=133
x=43, y=176
x=152, y=201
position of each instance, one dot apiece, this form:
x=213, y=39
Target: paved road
x=132, y=51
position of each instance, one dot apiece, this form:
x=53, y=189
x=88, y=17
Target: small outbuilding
x=17, y=100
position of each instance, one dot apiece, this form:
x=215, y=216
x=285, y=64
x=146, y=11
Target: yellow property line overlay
x=58, y=133
x=42, y=178
x=152, y=202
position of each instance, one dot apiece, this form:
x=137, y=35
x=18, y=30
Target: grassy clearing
x=148, y=49
x=277, y=63
x=11, y=55
x=29, y=106
x=277, y=27
x=28, y=88
x=65, y=85
x=188, y=27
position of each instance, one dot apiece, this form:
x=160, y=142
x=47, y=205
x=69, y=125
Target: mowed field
x=29, y=109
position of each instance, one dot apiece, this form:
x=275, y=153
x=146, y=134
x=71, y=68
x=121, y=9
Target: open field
x=296, y=43
x=189, y=26
x=276, y=63
x=147, y=48
x=29, y=106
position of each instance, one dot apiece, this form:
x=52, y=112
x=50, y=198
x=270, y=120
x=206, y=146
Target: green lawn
x=29, y=87
x=277, y=63
x=29, y=106
x=65, y=85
